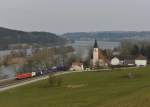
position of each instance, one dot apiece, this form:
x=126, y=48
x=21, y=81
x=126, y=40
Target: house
x=77, y=66
x=141, y=60
x=98, y=59
x=115, y=61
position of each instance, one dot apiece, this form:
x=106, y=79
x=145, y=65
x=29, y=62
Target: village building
x=77, y=66
x=115, y=61
x=141, y=60
x=98, y=59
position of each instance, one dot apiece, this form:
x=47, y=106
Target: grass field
x=87, y=89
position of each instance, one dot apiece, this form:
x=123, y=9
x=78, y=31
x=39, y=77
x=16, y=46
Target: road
x=30, y=81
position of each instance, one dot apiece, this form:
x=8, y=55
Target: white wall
x=77, y=68
x=141, y=62
x=95, y=56
x=115, y=61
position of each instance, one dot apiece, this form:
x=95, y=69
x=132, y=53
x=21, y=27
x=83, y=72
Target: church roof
x=95, y=44
x=101, y=56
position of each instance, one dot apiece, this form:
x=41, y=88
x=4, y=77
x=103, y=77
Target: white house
x=77, y=66
x=115, y=61
x=141, y=60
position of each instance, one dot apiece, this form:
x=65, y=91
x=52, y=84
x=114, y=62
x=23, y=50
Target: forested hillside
x=108, y=35
x=9, y=36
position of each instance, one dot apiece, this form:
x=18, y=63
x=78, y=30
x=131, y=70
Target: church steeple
x=95, y=44
x=98, y=57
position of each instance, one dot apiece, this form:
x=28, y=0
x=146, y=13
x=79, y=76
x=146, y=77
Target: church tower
x=95, y=53
x=98, y=58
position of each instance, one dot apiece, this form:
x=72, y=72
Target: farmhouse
x=98, y=59
x=141, y=60
x=77, y=66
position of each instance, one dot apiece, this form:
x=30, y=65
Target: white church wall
x=95, y=56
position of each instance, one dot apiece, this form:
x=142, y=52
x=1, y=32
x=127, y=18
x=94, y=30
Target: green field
x=86, y=89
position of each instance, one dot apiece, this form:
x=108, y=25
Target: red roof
x=77, y=64
x=101, y=56
x=141, y=57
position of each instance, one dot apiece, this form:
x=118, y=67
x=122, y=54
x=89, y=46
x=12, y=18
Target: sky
x=61, y=16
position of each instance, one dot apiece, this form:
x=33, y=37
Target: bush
x=54, y=81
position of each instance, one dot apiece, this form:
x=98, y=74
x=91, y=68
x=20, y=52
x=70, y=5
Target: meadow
x=117, y=88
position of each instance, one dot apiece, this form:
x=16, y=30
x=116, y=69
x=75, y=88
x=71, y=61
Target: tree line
x=134, y=48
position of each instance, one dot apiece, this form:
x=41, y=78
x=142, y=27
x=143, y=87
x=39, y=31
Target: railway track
x=12, y=82
x=9, y=84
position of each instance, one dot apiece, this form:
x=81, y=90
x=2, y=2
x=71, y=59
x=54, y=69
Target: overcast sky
x=59, y=16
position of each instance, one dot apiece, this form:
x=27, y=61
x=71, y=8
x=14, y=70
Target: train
x=41, y=71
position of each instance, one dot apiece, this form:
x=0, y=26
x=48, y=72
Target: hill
x=108, y=35
x=9, y=37
x=86, y=89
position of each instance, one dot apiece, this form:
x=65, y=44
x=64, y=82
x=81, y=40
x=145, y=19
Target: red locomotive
x=23, y=72
x=25, y=75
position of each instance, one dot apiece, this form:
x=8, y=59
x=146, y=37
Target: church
x=98, y=59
